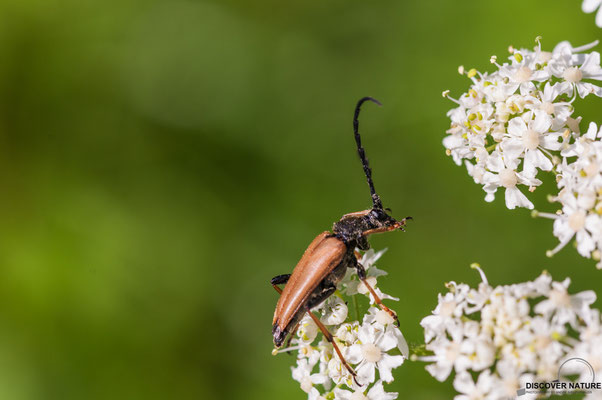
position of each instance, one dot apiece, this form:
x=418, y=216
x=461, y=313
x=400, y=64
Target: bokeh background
x=160, y=161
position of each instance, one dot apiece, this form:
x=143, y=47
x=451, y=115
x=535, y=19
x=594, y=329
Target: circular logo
x=577, y=366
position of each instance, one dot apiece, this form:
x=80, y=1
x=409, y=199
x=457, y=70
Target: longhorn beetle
x=325, y=261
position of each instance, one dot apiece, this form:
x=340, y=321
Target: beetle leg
x=316, y=300
x=279, y=280
x=378, y=301
x=330, y=339
x=361, y=273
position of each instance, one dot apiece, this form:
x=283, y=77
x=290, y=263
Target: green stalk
x=357, y=311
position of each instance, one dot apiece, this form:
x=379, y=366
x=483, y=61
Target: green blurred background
x=162, y=160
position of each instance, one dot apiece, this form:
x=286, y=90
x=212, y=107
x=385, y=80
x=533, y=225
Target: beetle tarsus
x=280, y=279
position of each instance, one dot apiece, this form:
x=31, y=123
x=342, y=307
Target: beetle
x=327, y=258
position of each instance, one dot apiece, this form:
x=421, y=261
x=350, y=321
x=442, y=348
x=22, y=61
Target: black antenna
x=362, y=153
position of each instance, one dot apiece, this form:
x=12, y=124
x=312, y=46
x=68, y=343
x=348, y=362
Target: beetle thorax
x=352, y=228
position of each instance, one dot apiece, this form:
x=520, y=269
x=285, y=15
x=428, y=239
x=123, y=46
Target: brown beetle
x=325, y=261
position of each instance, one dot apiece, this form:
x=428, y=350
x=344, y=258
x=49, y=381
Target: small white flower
x=450, y=306
x=530, y=140
x=565, y=307
x=574, y=75
x=307, y=330
x=348, y=332
x=303, y=374
x=335, y=311
x=370, y=353
x=503, y=174
x=447, y=356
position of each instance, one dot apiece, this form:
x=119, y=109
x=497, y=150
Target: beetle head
x=356, y=227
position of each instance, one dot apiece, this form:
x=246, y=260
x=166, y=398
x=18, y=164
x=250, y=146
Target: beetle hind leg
x=316, y=299
x=330, y=339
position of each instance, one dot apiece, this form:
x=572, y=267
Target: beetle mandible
x=325, y=261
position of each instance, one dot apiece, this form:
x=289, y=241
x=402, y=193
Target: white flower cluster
x=509, y=335
x=589, y=6
x=580, y=184
x=517, y=121
x=371, y=345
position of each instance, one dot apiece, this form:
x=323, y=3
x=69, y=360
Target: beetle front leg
x=398, y=225
x=361, y=273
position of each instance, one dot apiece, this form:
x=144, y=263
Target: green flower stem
x=356, y=308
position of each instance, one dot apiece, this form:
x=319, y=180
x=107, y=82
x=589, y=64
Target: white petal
x=550, y=141
x=366, y=373
x=341, y=394
x=402, y=344
x=512, y=148
x=439, y=371
x=599, y=18
x=463, y=383
x=585, y=243
x=431, y=324
x=516, y=127
x=377, y=392
x=589, y=6
x=490, y=197
x=564, y=87
x=515, y=198
x=586, y=88
x=387, y=340
x=583, y=299
x=591, y=65
x=386, y=364
x=541, y=123
x=495, y=162
x=592, y=131
x=536, y=159
x=353, y=354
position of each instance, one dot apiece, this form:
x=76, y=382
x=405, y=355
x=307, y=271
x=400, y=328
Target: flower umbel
x=509, y=335
x=516, y=123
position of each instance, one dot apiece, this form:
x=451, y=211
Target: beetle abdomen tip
x=278, y=334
